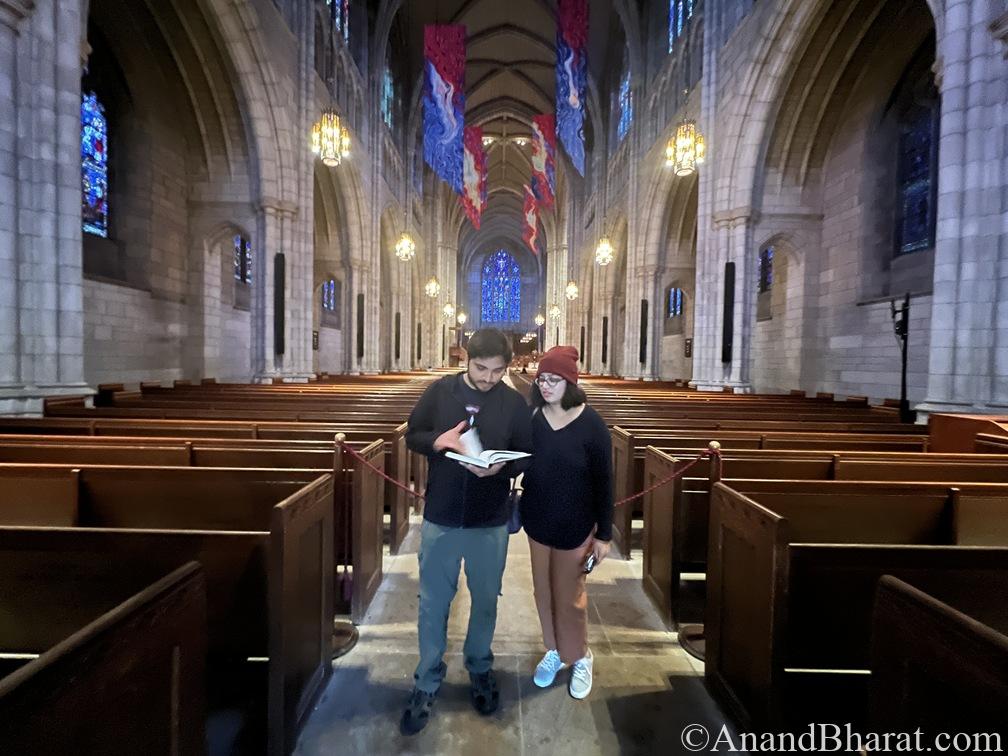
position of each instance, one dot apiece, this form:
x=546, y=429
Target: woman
x=566, y=510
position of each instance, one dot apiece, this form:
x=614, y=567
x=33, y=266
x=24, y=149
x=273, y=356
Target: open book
x=488, y=457
x=476, y=455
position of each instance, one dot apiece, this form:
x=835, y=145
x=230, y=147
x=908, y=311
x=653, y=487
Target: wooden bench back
x=27, y=499
x=936, y=663
x=131, y=680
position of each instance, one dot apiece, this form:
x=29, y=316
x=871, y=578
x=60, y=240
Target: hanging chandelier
x=571, y=291
x=540, y=320
x=330, y=138
x=461, y=319
x=686, y=150
x=448, y=310
x=432, y=288
x=604, y=251
x=405, y=248
x=554, y=312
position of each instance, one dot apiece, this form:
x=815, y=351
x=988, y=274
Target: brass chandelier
x=405, y=248
x=686, y=150
x=330, y=138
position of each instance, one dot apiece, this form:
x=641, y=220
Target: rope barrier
x=353, y=453
x=714, y=453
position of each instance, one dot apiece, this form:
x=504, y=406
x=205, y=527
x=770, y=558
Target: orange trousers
x=558, y=581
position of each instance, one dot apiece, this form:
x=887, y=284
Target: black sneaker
x=483, y=692
x=417, y=712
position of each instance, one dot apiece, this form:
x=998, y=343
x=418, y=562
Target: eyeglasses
x=548, y=380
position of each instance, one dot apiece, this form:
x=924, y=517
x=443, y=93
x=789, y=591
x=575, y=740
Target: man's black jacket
x=455, y=497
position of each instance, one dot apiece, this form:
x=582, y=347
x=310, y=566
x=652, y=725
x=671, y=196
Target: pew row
x=675, y=535
x=939, y=663
x=264, y=538
x=791, y=583
x=100, y=663
x=399, y=464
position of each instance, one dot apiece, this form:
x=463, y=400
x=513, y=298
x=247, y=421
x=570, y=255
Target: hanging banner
x=544, y=159
x=444, y=101
x=530, y=230
x=572, y=77
x=474, y=175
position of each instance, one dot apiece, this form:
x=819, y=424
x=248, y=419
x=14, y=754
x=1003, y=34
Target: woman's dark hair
x=573, y=396
x=489, y=342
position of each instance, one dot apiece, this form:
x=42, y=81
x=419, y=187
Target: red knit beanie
x=562, y=361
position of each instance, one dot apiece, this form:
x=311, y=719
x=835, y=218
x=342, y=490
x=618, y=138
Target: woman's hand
x=600, y=549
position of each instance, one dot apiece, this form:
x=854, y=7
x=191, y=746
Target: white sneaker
x=546, y=670
x=581, y=677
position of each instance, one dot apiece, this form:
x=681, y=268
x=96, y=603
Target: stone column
x=731, y=242
x=278, y=232
x=556, y=281
x=41, y=287
x=11, y=16
x=448, y=261
x=968, y=366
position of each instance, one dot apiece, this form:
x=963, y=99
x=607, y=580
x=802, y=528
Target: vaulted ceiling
x=510, y=77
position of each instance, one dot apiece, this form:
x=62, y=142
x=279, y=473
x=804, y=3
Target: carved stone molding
x=12, y=12
x=1000, y=29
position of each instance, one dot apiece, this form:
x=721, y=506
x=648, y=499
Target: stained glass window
x=766, y=270
x=330, y=295
x=674, y=305
x=242, y=260
x=94, y=166
x=625, y=105
x=680, y=12
x=387, y=97
x=501, y=289
x=916, y=212
x=340, y=10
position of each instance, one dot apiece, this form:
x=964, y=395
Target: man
x=465, y=516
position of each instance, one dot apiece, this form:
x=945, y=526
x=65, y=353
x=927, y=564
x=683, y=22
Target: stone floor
x=646, y=689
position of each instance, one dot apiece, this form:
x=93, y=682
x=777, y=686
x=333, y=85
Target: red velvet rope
x=664, y=482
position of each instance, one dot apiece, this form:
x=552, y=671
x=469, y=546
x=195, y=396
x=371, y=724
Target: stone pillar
x=41, y=286
x=968, y=366
x=731, y=242
x=279, y=231
x=556, y=281
x=450, y=292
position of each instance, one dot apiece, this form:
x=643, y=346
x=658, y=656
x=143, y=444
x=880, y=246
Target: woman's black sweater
x=568, y=486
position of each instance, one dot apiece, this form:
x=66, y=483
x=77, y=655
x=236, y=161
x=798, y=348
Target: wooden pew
x=939, y=663
x=791, y=584
x=200, y=438
x=100, y=663
x=675, y=536
x=628, y=449
x=264, y=538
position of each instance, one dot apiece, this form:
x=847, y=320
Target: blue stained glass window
x=916, y=212
x=94, y=166
x=680, y=12
x=340, y=10
x=387, y=97
x=329, y=295
x=625, y=105
x=674, y=306
x=501, y=289
x=242, y=260
x=766, y=270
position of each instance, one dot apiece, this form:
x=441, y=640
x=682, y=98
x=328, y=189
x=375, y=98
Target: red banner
x=474, y=175
x=530, y=231
x=544, y=159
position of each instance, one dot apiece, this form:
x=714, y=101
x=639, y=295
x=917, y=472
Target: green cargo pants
x=442, y=551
